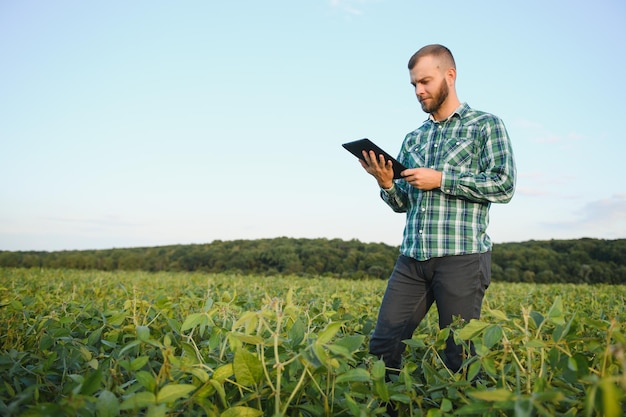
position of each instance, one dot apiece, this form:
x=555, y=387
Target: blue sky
x=148, y=123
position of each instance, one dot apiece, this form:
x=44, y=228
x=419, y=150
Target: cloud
x=527, y=124
x=611, y=210
x=551, y=138
x=352, y=7
x=541, y=184
x=600, y=218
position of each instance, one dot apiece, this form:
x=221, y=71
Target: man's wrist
x=386, y=187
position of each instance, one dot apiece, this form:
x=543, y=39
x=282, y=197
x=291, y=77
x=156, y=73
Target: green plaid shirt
x=473, y=151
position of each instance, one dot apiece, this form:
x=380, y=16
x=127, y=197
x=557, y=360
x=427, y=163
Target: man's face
x=430, y=84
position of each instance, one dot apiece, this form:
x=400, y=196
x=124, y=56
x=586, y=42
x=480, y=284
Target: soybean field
x=94, y=343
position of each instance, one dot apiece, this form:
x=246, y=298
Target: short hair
x=436, y=50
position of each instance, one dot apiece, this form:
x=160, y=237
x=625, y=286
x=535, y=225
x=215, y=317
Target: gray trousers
x=456, y=284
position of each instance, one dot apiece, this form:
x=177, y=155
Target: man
x=460, y=161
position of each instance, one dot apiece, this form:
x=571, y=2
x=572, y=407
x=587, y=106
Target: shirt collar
x=460, y=111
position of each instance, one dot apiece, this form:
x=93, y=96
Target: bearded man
x=460, y=161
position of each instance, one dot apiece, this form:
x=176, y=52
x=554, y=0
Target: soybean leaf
x=146, y=379
x=194, y=320
x=498, y=314
x=472, y=329
x=492, y=335
x=91, y=384
x=357, y=374
x=352, y=343
x=240, y=411
x=223, y=372
x=248, y=368
x=107, y=404
x=378, y=370
x=247, y=338
x=499, y=394
x=138, y=400
x=556, y=312
x=328, y=333
x=172, y=392
x=143, y=333
x=156, y=410
x=296, y=333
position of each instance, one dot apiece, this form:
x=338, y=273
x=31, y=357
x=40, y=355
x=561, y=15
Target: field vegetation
x=97, y=343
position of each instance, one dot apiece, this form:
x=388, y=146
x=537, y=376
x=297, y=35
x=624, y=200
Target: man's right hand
x=379, y=168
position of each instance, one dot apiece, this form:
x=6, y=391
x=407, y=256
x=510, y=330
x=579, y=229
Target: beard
x=437, y=99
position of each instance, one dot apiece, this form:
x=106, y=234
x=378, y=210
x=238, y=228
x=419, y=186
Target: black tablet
x=357, y=147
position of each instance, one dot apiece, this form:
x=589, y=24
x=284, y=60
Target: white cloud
x=353, y=7
x=599, y=218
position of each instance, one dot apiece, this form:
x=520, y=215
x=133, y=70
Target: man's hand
x=423, y=178
x=379, y=168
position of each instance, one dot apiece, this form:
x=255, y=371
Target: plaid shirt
x=473, y=151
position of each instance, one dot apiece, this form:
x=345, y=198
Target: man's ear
x=451, y=76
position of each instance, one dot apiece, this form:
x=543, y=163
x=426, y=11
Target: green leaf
x=446, y=405
x=352, y=405
x=353, y=343
x=129, y=346
x=499, y=315
x=92, y=383
x=357, y=374
x=223, y=372
x=199, y=373
x=537, y=318
x=247, y=338
x=138, y=401
x=138, y=363
x=380, y=387
x=107, y=404
x=472, y=329
x=555, y=315
x=378, y=370
x=535, y=343
x=194, y=320
x=143, y=333
x=296, y=333
x=339, y=350
x=401, y=398
x=221, y=392
x=499, y=394
x=561, y=331
x=248, y=368
x=320, y=356
x=146, y=379
x=157, y=410
x=474, y=409
x=492, y=336
x=172, y=392
x=610, y=396
x=523, y=407
x=328, y=333
x=473, y=370
x=240, y=411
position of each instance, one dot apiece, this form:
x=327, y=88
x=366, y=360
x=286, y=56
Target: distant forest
x=553, y=261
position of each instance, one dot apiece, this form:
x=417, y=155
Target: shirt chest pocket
x=459, y=153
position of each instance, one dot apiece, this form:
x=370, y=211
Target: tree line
x=565, y=261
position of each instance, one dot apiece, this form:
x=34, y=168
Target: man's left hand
x=423, y=178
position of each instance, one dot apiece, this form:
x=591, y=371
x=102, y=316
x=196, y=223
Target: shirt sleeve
x=495, y=180
x=395, y=197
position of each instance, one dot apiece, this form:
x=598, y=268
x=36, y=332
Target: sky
x=149, y=123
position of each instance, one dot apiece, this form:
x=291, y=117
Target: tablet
x=358, y=146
